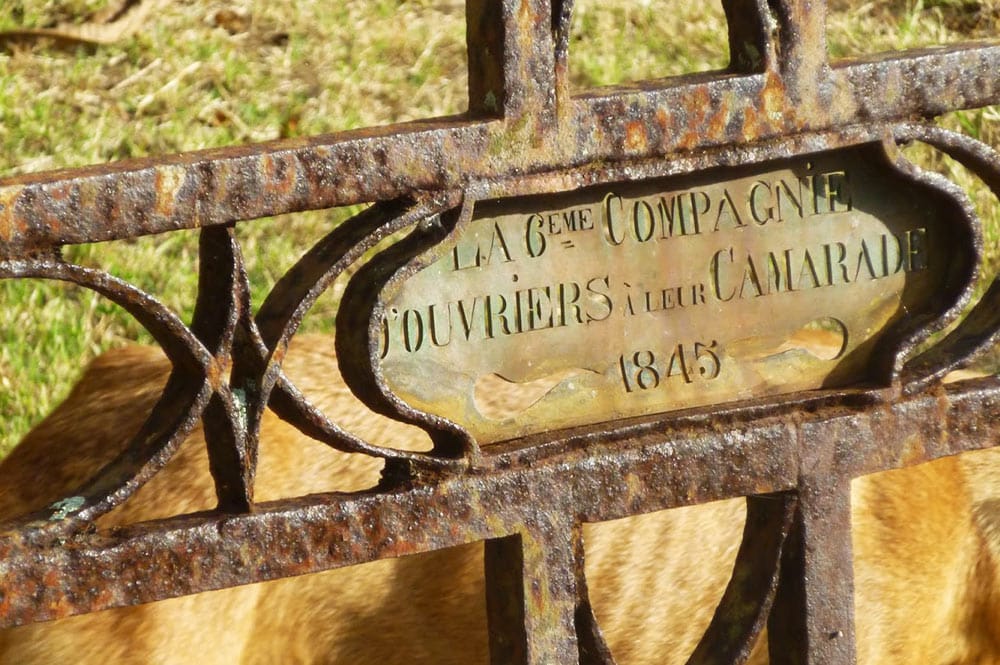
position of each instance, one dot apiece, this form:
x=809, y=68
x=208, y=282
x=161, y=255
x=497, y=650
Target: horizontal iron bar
x=653, y=119
x=587, y=474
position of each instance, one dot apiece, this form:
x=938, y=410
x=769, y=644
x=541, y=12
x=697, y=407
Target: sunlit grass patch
x=619, y=42
x=855, y=28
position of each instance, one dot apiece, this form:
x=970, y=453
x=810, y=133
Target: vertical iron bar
x=803, y=62
x=812, y=622
x=512, y=53
x=232, y=458
x=743, y=610
x=531, y=597
x=751, y=36
x=485, y=31
x=562, y=24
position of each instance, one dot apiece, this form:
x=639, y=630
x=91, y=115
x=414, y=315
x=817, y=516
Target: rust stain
x=526, y=15
x=697, y=106
x=279, y=174
x=457, y=492
x=8, y=216
x=774, y=108
x=719, y=120
x=51, y=579
x=168, y=181
x=635, y=136
x=62, y=192
x=663, y=119
x=751, y=123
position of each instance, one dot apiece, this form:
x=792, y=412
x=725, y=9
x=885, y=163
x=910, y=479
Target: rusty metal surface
x=747, y=601
x=791, y=441
x=657, y=119
x=590, y=475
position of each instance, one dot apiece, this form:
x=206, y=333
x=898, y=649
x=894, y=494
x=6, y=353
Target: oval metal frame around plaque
x=630, y=298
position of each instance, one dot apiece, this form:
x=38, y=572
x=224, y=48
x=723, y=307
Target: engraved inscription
x=644, y=297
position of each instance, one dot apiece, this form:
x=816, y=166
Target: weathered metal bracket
x=527, y=142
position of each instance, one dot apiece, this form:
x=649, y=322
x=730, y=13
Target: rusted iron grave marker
x=647, y=257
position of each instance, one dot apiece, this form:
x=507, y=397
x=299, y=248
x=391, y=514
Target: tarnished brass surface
x=634, y=298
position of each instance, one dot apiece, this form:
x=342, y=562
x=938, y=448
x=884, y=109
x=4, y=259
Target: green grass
x=186, y=82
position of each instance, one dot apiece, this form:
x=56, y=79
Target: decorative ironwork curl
x=979, y=330
x=524, y=134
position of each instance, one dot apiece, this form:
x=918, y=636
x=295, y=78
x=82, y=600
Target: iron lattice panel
x=524, y=134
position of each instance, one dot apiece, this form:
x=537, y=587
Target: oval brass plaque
x=636, y=298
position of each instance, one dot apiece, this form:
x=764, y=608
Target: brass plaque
x=642, y=297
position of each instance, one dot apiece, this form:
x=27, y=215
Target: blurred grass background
x=201, y=73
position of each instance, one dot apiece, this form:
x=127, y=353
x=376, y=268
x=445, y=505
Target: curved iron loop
x=172, y=419
x=279, y=317
x=194, y=378
x=221, y=274
x=360, y=327
x=232, y=454
x=957, y=274
x=593, y=647
x=295, y=408
x=742, y=613
x=178, y=342
x=980, y=329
